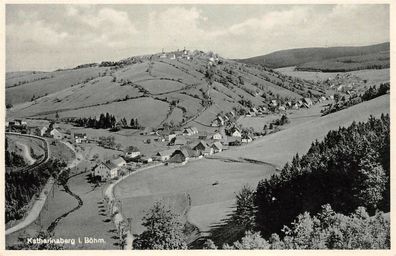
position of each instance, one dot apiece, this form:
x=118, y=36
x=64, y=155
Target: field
x=58, y=80
x=210, y=203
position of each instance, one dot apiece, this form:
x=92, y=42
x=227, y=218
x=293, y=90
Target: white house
x=80, y=138
x=217, y=136
x=105, y=171
x=132, y=154
x=56, y=134
x=42, y=130
x=236, y=133
x=247, y=139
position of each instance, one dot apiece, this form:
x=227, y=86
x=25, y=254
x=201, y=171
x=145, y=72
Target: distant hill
x=314, y=56
x=156, y=89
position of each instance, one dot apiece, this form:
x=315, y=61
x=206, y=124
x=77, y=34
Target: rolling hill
x=155, y=89
x=327, y=59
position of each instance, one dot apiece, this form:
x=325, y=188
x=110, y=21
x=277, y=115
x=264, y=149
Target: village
x=180, y=145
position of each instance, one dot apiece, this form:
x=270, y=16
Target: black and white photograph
x=142, y=126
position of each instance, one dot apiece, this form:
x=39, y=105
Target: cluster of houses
x=221, y=120
x=179, y=151
x=22, y=126
x=185, y=54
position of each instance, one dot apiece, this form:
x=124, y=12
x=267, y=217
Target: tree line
x=107, y=121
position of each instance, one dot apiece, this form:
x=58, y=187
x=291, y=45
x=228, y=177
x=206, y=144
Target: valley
x=187, y=128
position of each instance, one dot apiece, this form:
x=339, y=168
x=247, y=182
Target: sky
x=47, y=37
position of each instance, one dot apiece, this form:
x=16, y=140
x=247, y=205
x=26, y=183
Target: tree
x=325, y=230
x=164, y=230
x=245, y=211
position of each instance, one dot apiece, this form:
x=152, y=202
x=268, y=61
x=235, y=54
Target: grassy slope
x=61, y=80
x=164, y=79
x=208, y=201
x=294, y=57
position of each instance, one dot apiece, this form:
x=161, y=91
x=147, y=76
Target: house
x=235, y=132
x=119, y=162
x=147, y=160
x=274, y=103
x=215, y=123
x=170, y=136
x=247, y=139
x=188, y=131
x=203, y=148
x=217, y=147
x=105, y=171
x=203, y=136
x=172, y=57
x=219, y=121
x=282, y=108
x=179, y=156
x=132, y=152
x=178, y=141
x=195, y=130
x=80, y=138
x=17, y=122
x=56, y=134
x=217, y=136
x=254, y=110
x=307, y=102
x=42, y=131
x=163, y=155
x=300, y=103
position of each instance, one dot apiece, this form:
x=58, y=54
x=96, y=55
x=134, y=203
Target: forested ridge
x=332, y=197
x=21, y=186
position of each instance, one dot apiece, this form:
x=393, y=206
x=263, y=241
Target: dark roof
x=108, y=165
x=117, y=161
x=218, y=145
x=166, y=152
